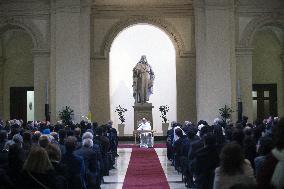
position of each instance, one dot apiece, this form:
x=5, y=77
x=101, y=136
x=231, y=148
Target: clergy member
x=146, y=139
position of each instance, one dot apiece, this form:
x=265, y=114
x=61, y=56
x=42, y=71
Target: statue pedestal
x=142, y=110
x=121, y=129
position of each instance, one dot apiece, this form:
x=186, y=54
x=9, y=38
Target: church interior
x=73, y=106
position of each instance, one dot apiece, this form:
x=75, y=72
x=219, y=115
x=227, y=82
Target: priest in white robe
x=146, y=138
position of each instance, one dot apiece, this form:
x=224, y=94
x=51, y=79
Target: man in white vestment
x=146, y=138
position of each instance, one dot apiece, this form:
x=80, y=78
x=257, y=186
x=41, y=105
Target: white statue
x=143, y=80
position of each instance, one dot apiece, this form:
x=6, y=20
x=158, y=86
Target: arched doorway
x=267, y=72
x=125, y=52
x=17, y=74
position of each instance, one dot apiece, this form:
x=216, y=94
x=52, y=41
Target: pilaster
x=41, y=59
x=70, y=38
x=100, y=85
x=215, y=61
x=2, y=62
x=244, y=75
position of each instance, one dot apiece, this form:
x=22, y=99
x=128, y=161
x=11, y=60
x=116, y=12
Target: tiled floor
x=116, y=177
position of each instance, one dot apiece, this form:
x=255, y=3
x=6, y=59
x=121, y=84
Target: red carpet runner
x=136, y=146
x=145, y=171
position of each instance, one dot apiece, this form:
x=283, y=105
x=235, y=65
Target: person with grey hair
x=90, y=158
x=88, y=135
x=16, y=157
x=217, y=121
x=88, y=143
x=17, y=139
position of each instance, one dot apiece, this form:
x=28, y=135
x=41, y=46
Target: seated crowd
x=227, y=156
x=39, y=155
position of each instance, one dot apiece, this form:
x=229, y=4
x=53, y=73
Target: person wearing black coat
x=205, y=162
x=181, y=147
x=75, y=167
x=91, y=163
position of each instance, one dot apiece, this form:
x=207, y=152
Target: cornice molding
x=24, y=7
x=165, y=10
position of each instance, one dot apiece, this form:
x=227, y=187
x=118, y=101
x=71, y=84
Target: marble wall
x=70, y=42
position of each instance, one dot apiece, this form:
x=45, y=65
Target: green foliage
x=66, y=115
x=164, y=110
x=120, y=111
x=225, y=112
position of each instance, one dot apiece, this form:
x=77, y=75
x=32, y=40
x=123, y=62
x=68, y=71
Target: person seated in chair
x=146, y=138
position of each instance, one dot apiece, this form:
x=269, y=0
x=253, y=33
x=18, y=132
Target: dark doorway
x=18, y=102
x=264, y=98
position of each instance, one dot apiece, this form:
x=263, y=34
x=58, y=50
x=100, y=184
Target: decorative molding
x=20, y=22
x=256, y=24
x=156, y=21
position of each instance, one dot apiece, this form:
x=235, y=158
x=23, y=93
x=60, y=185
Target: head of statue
x=144, y=120
x=143, y=59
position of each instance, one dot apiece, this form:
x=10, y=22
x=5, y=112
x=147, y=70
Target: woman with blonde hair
x=38, y=172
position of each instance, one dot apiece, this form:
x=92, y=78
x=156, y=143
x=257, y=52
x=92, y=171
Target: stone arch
x=257, y=23
x=27, y=26
x=165, y=26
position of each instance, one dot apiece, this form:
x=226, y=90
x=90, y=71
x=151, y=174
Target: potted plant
x=120, y=111
x=66, y=115
x=165, y=125
x=225, y=113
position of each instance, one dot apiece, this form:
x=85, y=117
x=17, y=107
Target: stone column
x=215, y=56
x=41, y=59
x=2, y=61
x=70, y=38
x=244, y=75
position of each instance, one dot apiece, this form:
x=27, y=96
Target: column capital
x=282, y=57
x=242, y=51
x=216, y=4
x=2, y=61
x=40, y=53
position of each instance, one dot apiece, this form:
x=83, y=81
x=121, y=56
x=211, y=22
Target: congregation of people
x=39, y=155
x=227, y=156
